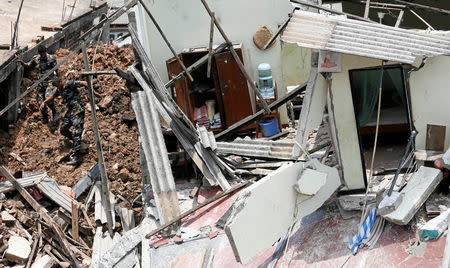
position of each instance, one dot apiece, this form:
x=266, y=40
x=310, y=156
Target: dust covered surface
x=34, y=146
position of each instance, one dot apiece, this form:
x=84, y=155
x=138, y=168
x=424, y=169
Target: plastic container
x=269, y=126
x=265, y=81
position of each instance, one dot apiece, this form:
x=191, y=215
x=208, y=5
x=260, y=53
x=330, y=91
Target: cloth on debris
x=201, y=116
x=434, y=228
x=217, y=123
x=364, y=232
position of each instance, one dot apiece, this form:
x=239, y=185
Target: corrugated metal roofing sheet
x=156, y=157
x=340, y=34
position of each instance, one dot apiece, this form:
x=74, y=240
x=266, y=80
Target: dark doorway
x=394, y=123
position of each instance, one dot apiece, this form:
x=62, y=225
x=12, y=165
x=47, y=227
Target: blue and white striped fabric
x=364, y=232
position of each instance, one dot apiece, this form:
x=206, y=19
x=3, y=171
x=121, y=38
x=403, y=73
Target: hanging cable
x=374, y=144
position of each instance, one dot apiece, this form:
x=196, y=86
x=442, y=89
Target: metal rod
x=399, y=19
x=303, y=2
x=420, y=18
x=277, y=33
x=433, y=9
x=14, y=39
x=98, y=72
x=410, y=142
x=165, y=40
x=367, y=9
x=211, y=37
x=101, y=162
x=236, y=58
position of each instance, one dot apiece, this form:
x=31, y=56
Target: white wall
x=430, y=98
x=186, y=24
x=344, y=117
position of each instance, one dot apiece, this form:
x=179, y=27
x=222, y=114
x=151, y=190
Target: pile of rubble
x=29, y=142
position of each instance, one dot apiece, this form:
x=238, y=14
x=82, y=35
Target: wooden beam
x=277, y=33
x=166, y=40
x=236, y=58
x=367, y=9
x=207, y=202
x=399, y=18
x=211, y=37
x=95, y=73
x=414, y=5
x=101, y=161
x=75, y=234
x=153, y=77
x=196, y=64
x=252, y=118
x=303, y=2
x=43, y=214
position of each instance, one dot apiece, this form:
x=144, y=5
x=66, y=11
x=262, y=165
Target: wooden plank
x=30, y=181
x=435, y=140
x=43, y=213
x=428, y=155
x=211, y=37
x=75, y=234
x=50, y=189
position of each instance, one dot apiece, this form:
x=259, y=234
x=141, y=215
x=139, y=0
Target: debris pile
x=30, y=142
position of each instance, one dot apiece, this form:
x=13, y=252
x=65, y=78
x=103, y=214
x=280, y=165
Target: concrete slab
x=7, y=218
x=19, y=249
x=417, y=191
x=43, y=262
x=356, y=201
x=310, y=182
x=270, y=204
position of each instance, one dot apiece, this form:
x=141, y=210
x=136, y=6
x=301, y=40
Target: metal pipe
x=101, y=162
x=14, y=39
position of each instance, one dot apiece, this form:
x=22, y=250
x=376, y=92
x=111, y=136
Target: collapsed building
x=218, y=186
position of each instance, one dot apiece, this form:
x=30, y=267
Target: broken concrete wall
x=343, y=114
x=312, y=109
x=265, y=210
x=430, y=98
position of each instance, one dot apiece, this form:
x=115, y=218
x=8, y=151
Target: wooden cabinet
x=226, y=86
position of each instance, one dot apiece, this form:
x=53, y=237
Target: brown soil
x=41, y=147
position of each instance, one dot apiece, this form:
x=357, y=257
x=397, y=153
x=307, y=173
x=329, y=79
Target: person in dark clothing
x=74, y=116
x=43, y=62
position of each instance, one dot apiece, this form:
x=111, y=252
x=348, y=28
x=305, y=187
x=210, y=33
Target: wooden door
x=180, y=87
x=234, y=88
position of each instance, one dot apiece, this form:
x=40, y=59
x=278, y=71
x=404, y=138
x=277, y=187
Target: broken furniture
x=227, y=87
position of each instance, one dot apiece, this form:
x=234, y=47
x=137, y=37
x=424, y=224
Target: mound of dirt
x=33, y=146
